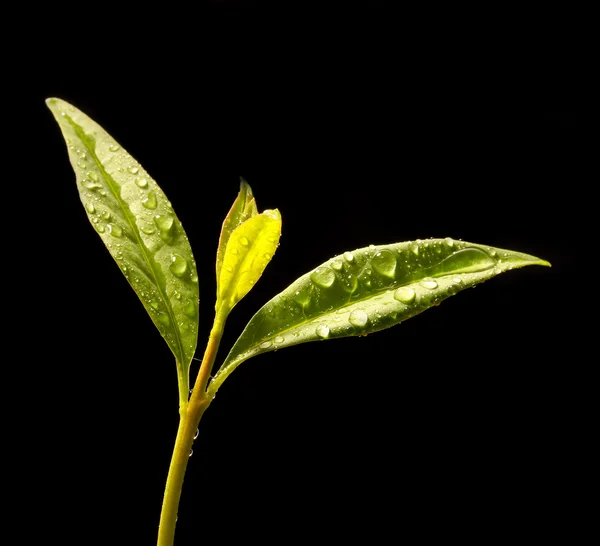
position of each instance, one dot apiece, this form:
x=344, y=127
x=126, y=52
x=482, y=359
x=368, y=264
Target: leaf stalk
x=190, y=412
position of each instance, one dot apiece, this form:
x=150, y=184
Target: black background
x=454, y=424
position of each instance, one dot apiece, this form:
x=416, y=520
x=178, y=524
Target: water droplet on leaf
x=163, y=222
x=114, y=230
x=323, y=331
x=178, y=265
x=348, y=256
x=244, y=241
x=384, y=263
x=405, y=294
x=358, y=318
x=279, y=339
x=141, y=182
x=337, y=264
x=163, y=319
x=114, y=147
x=323, y=277
x=265, y=345
x=189, y=309
x=429, y=283
x=133, y=170
x=149, y=201
x=148, y=229
x=90, y=208
x=467, y=260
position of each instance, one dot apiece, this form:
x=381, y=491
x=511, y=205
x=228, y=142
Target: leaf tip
x=244, y=186
x=274, y=214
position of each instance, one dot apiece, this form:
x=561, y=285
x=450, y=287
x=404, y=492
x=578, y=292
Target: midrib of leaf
x=83, y=136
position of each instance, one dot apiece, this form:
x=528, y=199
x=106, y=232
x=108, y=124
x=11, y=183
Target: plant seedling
x=356, y=293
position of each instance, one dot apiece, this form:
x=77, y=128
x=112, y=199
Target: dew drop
x=467, y=260
x=358, y=318
x=114, y=230
x=153, y=304
x=457, y=280
x=265, y=345
x=348, y=256
x=191, y=452
x=141, y=183
x=414, y=247
x=228, y=268
x=235, y=251
x=323, y=277
x=429, y=283
x=90, y=208
x=337, y=264
x=279, y=339
x=244, y=241
x=149, y=201
x=384, y=263
x=114, y=147
x=81, y=165
x=302, y=297
x=163, y=319
x=92, y=176
x=405, y=294
x=148, y=229
x=106, y=215
x=178, y=265
x=164, y=223
x=449, y=241
x=189, y=309
x=100, y=229
x=196, y=433
x=82, y=155
x=322, y=331
x=133, y=170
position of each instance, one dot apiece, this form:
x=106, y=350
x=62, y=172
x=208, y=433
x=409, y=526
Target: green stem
x=190, y=415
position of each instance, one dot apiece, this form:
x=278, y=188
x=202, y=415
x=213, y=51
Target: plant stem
x=189, y=419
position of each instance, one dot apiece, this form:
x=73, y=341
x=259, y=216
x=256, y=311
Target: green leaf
x=136, y=222
x=243, y=208
x=250, y=247
x=367, y=290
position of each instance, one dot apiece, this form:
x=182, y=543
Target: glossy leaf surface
x=367, y=290
x=138, y=226
x=249, y=250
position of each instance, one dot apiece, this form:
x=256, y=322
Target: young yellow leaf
x=249, y=249
x=243, y=208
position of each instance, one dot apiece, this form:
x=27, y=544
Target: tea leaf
x=250, y=248
x=360, y=292
x=243, y=208
x=136, y=222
